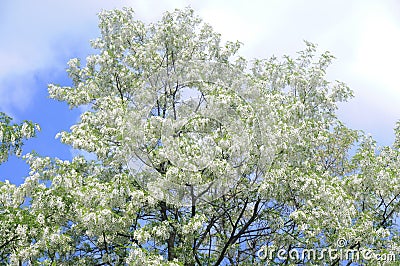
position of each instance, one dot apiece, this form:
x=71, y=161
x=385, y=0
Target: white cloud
x=372, y=71
x=363, y=35
x=378, y=52
x=15, y=94
x=38, y=33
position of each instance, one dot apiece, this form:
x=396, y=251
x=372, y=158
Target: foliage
x=13, y=217
x=202, y=158
x=12, y=136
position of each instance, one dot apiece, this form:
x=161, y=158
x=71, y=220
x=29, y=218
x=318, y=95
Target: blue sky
x=39, y=37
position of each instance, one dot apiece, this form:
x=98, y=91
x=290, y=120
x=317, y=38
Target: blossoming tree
x=12, y=214
x=201, y=158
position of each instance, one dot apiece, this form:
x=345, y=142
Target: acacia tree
x=12, y=136
x=12, y=212
x=202, y=158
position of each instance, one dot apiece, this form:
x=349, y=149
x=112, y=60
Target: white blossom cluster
x=12, y=136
